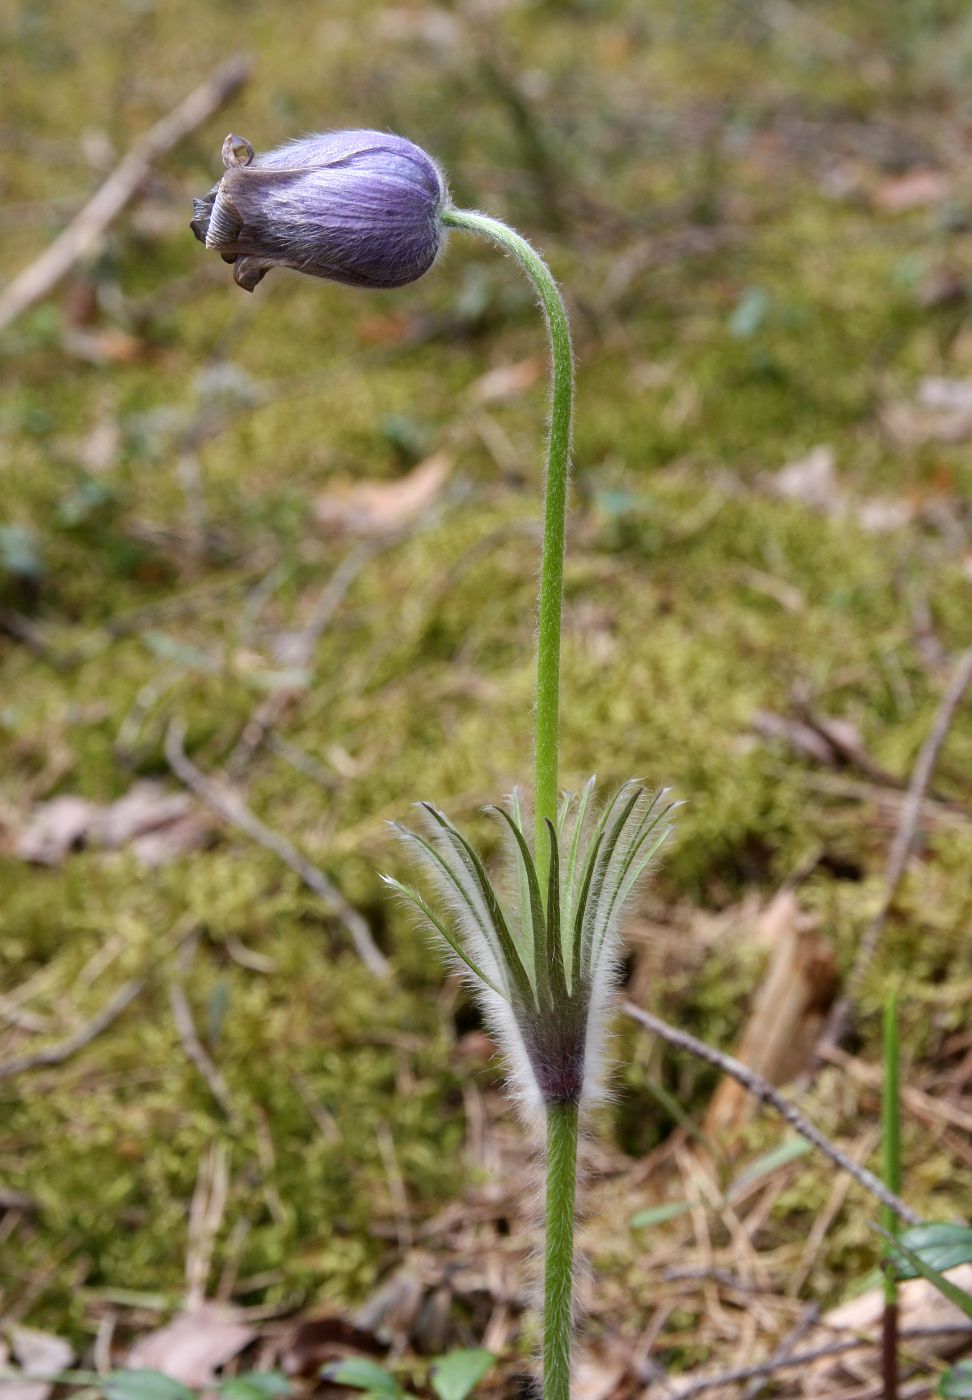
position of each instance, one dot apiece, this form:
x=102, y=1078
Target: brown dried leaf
x=506, y=381
x=193, y=1346
x=392, y=1309
x=39, y=1353
x=156, y=821
x=315, y=1341
x=941, y=412
x=145, y=807
x=811, y=480
x=601, y=1372
x=915, y=190
x=103, y=347
x=788, y=1008
x=55, y=828
x=381, y=507
x=186, y=833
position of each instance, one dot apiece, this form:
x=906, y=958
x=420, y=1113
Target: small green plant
x=452, y=1377
x=155, y=1385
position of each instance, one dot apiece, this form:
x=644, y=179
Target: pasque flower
x=370, y=210
x=359, y=207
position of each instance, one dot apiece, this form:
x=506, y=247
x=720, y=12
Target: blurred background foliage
x=761, y=214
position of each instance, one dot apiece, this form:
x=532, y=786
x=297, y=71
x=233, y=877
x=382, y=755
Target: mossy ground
x=736, y=304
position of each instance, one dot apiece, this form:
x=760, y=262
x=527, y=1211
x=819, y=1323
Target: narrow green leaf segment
x=555, y=512
x=559, y=1261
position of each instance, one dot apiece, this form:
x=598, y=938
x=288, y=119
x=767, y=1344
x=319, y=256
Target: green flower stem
x=558, y=1281
x=555, y=515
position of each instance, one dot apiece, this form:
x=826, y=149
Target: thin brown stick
x=784, y=1351
x=22, y=1018
x=193, y=1046
x=84, y=1035
x=231, y=807
x=42, y=275
x=765, y=1092
x=260, y=724
x=205, y=1221
x=839, y=1021
x=803, y=1358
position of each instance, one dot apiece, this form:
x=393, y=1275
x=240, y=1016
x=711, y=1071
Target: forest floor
x=277, y=555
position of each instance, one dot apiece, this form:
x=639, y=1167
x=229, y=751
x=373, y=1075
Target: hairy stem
x=555, y=514
x=558, y=1281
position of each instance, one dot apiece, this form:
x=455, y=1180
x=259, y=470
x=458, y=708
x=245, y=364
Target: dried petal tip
x=237, y=151
x=358, y=207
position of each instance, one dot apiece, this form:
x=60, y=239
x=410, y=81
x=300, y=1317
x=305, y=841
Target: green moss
x=694, y=599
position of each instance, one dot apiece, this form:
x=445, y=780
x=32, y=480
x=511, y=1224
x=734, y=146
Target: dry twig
x=784, y=1351
x=84, y=230
x=260, y=724
x=193, y=1046
x=804, y=1358
x=231, y=807
x=205, y=1219
x=84, y=1035
x=839, y=1021
x=761, y=1089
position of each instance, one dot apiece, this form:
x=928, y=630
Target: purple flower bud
x=359, y=207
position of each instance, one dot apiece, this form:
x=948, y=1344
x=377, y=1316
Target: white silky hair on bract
x=545, y=970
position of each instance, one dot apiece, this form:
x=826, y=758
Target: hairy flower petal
x=358, y=207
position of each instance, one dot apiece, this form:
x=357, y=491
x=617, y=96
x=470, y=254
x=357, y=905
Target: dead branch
x=761, y=1089
x=804, y=1358
x=784, y=1352
x=231, y=807
x=193, y=1046
x=839, y=1021
x=260, y=725
x=82, y=233
x=64, y=1049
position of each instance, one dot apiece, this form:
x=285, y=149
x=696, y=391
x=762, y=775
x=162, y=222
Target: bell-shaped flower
x=359, y=207
x=544, y=963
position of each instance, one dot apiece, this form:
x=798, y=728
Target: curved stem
x=558, y=1278
x=554, y=519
